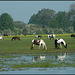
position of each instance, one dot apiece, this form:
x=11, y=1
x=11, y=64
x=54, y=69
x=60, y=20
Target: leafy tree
x=43, y=17
x=72, y=12
x=19, y=24
x=6, y=21
x=62, y=18
x=73, y=24
x=32, y=19
x=25, y=31
x=54, y=24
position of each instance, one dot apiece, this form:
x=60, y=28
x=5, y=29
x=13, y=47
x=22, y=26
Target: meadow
x=7, y=46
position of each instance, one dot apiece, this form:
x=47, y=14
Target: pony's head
x=65, y=46
x=43, y=44
x=35, y=41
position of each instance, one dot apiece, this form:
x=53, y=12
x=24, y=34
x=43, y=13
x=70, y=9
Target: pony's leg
x=60, y=45
x=45, y=47
x=32, y=46
x=39, y=46
x=50, y=38
x=54, y=38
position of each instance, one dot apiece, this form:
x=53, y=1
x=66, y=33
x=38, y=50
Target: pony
x=38, y=36
x=51, y=36
x=5, y=34
x=1, y=38
x=14, y=38
x=60, y=42
x=73, y=35
x=39, y=42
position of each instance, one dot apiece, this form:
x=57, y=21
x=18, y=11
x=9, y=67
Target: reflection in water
x=61, y=57
x=36, y=58
x=48, y=60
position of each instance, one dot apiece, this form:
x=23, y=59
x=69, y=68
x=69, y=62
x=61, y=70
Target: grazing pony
x=1, y=38
x=51, y=36
x=73, y=35
x=14, y=38
x=38, y=36
x=60, y=42
x=38, y=42
x=5, y=34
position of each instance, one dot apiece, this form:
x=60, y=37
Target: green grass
x=45, y=64
x=23, y=46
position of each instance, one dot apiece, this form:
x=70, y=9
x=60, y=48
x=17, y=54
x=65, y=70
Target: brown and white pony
x=60, y=42
x=51, y=36
x=14, y=38
x=38, y=42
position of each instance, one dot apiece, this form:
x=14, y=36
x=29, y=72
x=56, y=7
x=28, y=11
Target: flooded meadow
x=50, y=63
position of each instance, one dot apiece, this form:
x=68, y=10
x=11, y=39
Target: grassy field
x=23, y=46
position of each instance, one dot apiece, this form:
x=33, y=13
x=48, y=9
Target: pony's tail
x=65, y=46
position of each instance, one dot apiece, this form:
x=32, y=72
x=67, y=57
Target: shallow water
x=7, y=61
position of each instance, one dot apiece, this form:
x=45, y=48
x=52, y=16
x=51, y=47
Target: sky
x=23, y=10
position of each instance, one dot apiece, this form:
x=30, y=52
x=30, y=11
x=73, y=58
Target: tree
x=43, y=17
x=72, y=12
x=6, y=21
x=73, y=24
x=62, y=18
x=25, y=31
x=54, y=24
x=72, y=15
x=19, y=24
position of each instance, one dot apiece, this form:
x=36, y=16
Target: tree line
x=49, y=18
x=44, y=22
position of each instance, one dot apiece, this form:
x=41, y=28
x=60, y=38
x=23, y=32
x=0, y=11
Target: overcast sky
x=23, y=10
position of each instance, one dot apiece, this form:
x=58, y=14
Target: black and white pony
x=38, y=36
x=73, y=35
x=38, y=42
x=59, y=43
x=51, y=36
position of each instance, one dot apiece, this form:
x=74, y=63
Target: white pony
x=51, y=36
x=1, y=38
x=60, y=42
x=38, y=42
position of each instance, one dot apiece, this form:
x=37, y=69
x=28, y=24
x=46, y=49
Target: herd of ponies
x=41, y=43
x=58, y=42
